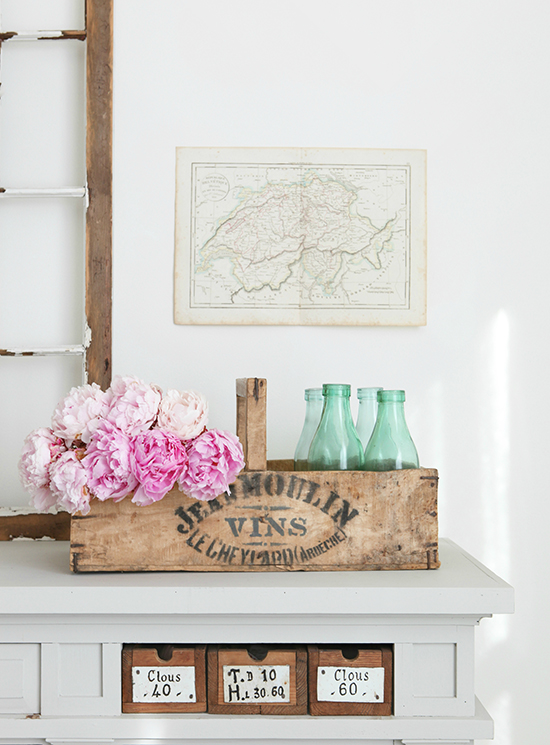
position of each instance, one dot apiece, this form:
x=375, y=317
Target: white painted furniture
x=61, y=636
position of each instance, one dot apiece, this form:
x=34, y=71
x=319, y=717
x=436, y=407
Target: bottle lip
x=368, y=393
x=396, y=395
x=313, y=394
x=337, y=389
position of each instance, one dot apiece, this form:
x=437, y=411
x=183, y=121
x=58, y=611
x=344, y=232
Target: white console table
x=61, y=637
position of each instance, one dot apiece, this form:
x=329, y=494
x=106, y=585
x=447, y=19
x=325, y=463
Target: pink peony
x=134, y=405
x=78, y=414
x=183, y=413
x=157, y=460
x=68, y=482
x=40, y=448
x=107, y=463
x=215, y=459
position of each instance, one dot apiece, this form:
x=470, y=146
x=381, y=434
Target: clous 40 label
x=163, y=684
x=352, y=684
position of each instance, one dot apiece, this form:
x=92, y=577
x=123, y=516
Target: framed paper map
x=300, y=236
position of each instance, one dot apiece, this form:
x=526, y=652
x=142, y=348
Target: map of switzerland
x=289, y=236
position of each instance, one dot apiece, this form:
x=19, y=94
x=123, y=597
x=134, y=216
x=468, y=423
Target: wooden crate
x=172, y=682
x=273, y=519
x=257, y=680
x=346, y=681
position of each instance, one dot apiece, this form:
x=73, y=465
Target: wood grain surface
x=270, y=521
x=99, y=134
x=139, y=656
x=295, y=658
x=379, y=656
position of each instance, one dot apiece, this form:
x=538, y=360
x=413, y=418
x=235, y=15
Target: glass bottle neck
x=337, y=406
x=314, y=406
x=336, y=446
x=392, y=411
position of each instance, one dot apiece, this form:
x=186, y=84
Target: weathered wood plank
x=99, y=108
x=99, y=88
x=280, y=465
x=271, y=521
x=35, y=525
x=69, y=35
x=251, y=421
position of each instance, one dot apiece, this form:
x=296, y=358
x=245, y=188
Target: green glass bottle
x=391, y=446
x=336, y=446
x=366, y=413
x=314, y=408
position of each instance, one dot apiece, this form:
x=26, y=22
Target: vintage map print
x=289, y=236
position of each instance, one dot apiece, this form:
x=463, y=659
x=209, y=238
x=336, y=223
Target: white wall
x=468, y=81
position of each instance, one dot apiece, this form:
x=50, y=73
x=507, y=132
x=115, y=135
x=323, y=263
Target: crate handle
x=251, y=421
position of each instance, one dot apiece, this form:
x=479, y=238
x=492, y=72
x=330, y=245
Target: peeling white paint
x=79, y=192
x=22, y=511
x=76, y=349
x=36, y=35
x=87, y=335
x=29, y=35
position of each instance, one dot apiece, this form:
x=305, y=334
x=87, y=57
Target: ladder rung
x=72, y=192
x=75, y=349
x=42, y=36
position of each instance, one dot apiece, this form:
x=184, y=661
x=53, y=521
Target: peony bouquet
x=128, y=439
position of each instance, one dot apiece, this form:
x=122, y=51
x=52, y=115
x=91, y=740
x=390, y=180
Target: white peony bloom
x=184, y=413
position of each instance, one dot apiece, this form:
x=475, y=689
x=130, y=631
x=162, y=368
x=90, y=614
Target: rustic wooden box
x=257, y=681
x=163, y=679
x=347, y=681
x=273, y=519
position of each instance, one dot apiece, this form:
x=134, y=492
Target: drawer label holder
x=268, y=684
x=350, y=684
x=163, y=684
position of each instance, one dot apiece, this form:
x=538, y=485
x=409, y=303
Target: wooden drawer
x=257, y=680
x=165, y=678
x=350, y=681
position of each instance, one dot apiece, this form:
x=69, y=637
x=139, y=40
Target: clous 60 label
x=353, y=684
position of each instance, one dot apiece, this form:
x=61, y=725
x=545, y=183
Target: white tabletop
x=35, y=579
